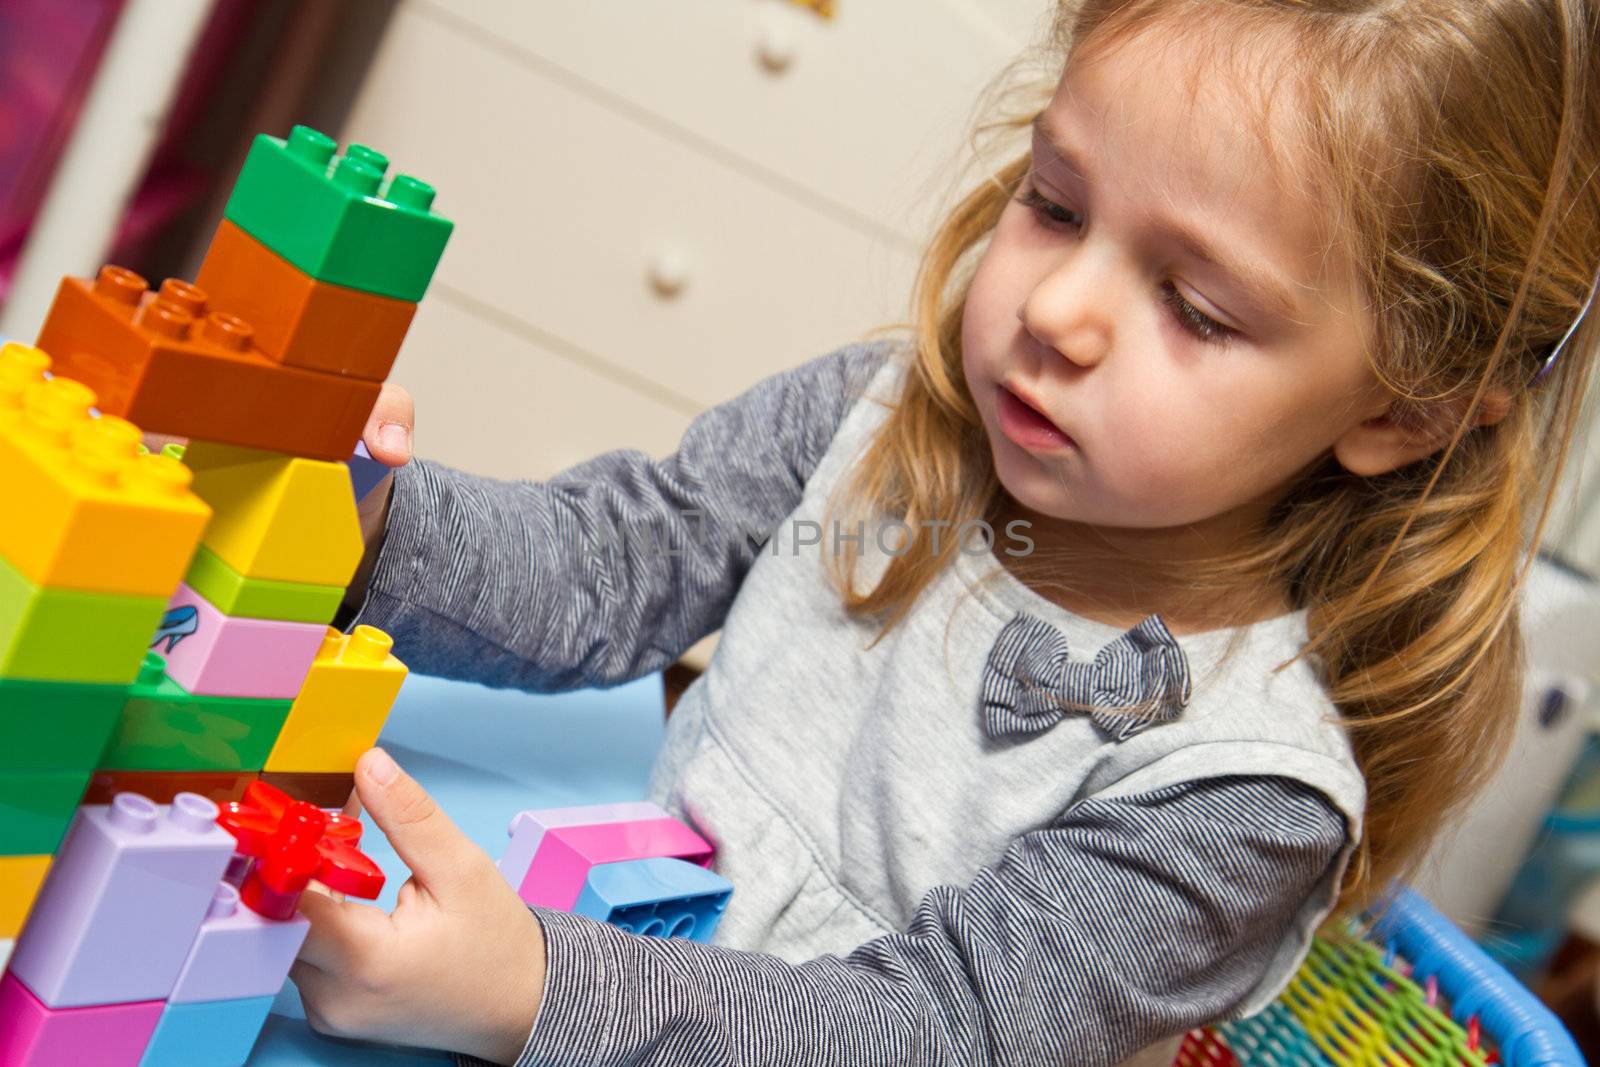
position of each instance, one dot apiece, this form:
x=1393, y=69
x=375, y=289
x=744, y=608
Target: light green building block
x=260, y=598
x=65, y=635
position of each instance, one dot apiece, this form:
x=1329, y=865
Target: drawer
x=871, y=104
x=493, y=402
x=562, y=205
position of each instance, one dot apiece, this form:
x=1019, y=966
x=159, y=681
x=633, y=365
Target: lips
x=1035, y=408
x=1028, y=426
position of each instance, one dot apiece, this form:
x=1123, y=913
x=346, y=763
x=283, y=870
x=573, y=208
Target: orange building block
x=299, y=321
x=20, y=879
x=168, y=363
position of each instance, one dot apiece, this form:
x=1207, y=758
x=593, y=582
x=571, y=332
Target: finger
x=389, y=427
x=440, y=855
x=341, y=931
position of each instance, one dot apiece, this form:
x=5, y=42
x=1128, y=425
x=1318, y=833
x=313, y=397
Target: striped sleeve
x=1126, y=922
x=611, y=569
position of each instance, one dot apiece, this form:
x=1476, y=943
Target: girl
x=1258, y=356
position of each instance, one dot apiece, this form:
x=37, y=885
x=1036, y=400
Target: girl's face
x=1154, y=336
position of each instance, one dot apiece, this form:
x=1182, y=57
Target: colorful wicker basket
x=1418, y=994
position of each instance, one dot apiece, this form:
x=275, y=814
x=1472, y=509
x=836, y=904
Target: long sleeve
x=611, y=569
x=1125, y=922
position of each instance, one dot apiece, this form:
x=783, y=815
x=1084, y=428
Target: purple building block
x=528, y=828
x=365, y=472
x=107, y=1035
x=238, y=954
x=123, y=901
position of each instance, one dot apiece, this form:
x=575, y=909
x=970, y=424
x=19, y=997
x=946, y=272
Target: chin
x=1030, y=483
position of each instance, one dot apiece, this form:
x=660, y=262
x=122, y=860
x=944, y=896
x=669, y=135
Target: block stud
x=367, y=644
x=229, y=331
x=133, y=813
x=190, y=298
x=192, y=812
x=370, y=156
x=20, y=366
x=312, y=146
x=121, y=285
x=358, y=177
x=167, y=319
x=413, y=193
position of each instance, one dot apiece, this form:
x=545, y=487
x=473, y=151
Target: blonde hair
x=1456, y=143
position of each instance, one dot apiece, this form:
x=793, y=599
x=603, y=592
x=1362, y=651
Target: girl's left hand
x=458, y=965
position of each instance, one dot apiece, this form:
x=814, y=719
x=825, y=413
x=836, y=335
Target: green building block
x=335, y=218
x=164, y=728
x=65, y=635
x=36, y=808
x=56, y=726
x=259, y=598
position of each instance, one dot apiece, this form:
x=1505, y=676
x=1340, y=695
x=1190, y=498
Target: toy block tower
x=164, y=637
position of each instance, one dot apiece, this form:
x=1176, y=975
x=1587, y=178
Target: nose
x=1067, y=310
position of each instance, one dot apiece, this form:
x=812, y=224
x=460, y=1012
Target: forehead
x=1200, y=129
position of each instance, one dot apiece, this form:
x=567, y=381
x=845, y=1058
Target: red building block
x=293, y=842
x=299, y=321
x=169, y=363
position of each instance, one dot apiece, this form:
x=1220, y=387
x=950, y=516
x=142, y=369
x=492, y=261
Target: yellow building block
x=83, y=509
x=278, y=517
x=342, y=706
x=20, y=879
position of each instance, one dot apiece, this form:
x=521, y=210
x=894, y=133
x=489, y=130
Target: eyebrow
x=1260, y=284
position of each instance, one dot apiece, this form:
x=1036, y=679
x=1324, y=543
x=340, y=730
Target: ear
x=1395, y=437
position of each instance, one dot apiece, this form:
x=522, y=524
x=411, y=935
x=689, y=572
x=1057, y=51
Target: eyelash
x=1188, y=316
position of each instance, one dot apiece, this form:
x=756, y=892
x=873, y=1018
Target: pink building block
x=528, y=828
x=566, y=854
x=109, y=1035
x=214, y=654
x=238, y=954
x=123, y=901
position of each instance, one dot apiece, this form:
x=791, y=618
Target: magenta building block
x=214, y=654
x=107, y=1035
x=567, y=853
x=238, y=954
x=527, y=829
x=123, y=902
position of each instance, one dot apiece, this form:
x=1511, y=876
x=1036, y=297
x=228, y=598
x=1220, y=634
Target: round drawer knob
x=776, y=48
x=669, y=272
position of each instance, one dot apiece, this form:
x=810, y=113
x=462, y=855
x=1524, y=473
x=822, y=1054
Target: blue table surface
x=486, y=754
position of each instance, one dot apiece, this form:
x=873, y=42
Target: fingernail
x=395, y=438
x=380, y=768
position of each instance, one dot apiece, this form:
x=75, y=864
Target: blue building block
x=656, y=898
x=210, y=1033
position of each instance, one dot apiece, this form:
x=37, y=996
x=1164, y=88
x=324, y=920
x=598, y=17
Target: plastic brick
x=20, y=879
x=335, y=219
x=261, y=598
x=365, y=472
x=162, y=727
x=325, y=789
x=214, y=654
x=217, y=1033
x=279, y=517
x=84, y=509
x=238, y=953
x=168, y=363
x=567, y=854
x=36, y=807
x=65, y=635
x=298, y=320
x=656, y=898
x=130, y=886
x=33, y=1035
x=528, y=828
x=55, y=726
x=219, y=787
x=342, y=705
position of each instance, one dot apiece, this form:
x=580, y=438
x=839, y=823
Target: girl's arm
x=1128, y=921
x=611, y=569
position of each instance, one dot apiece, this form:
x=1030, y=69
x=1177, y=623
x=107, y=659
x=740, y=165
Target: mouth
x=1028, y=427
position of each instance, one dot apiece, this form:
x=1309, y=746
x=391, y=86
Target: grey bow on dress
x=1028, y=674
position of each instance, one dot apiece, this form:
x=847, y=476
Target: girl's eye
x=1047, y=209
x=1191, y=318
